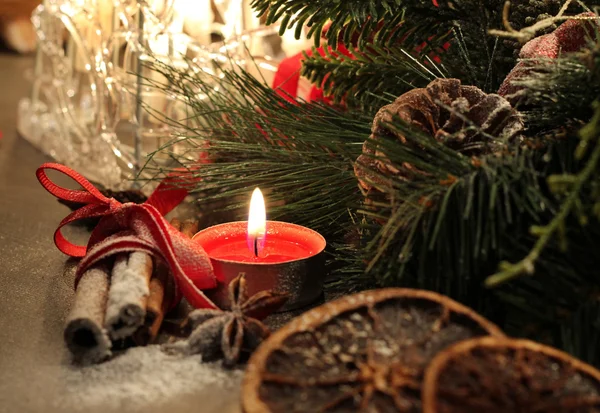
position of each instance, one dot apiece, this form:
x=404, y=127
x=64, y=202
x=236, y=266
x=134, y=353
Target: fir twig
x=357, y=19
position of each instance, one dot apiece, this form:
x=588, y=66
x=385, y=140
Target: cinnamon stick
x=189, y=228
x=157, y=304
x=176, y=223
x=85, y=335
x=156, y=308
x=128, y=294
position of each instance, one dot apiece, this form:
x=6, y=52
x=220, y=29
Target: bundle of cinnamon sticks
x=125, y=302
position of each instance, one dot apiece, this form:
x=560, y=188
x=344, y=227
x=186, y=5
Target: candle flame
x=257, y=223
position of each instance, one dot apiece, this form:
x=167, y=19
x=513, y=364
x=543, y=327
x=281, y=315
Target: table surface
x=35, y=289
x=33, y=297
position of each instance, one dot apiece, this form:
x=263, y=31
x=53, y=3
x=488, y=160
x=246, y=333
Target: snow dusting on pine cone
x=461, y=117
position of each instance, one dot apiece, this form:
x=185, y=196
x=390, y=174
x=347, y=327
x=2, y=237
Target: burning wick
x=257, y=223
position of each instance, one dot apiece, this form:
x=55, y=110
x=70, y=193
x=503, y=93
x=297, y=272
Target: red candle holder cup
x=291, y=261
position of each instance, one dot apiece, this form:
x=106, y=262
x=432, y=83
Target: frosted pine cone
x=463, y=118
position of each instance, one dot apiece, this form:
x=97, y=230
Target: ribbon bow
x=133, y=227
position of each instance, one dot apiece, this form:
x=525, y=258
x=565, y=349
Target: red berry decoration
x=571, y=36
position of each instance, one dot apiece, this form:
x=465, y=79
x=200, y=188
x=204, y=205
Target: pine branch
x=501, y=192
x=369, y=79
x=557, y=91
x=316, y=14
x=356, y=21
x=569, y=185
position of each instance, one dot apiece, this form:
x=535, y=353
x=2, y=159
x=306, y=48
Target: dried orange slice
x=494, y=375
x=364, y=352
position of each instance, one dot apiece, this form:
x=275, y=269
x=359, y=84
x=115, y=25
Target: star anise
x=236, y=330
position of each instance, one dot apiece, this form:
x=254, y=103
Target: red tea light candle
x=274, y=255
